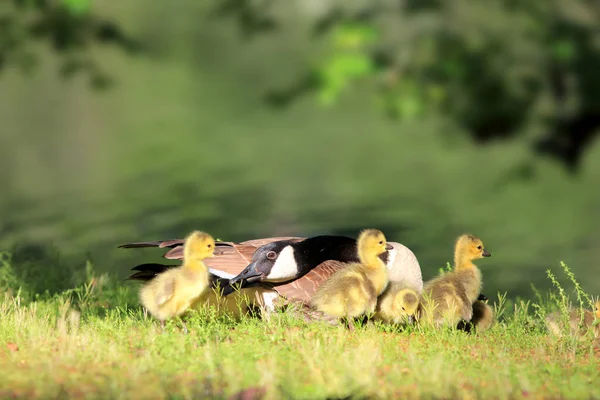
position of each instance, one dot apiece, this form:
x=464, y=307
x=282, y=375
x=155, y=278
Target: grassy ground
x=95, y=342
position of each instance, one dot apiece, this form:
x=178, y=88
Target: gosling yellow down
x=171, y=293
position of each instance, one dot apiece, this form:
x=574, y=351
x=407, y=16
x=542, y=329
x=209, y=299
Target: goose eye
x=271, y=255
x=478, y=247
x=403, y=309
x=381, y=242
x=209, y=246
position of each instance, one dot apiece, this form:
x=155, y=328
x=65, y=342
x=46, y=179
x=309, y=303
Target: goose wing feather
x=229, y=257
x=304, y=288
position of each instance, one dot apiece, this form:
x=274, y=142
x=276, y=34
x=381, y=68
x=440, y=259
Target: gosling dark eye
x=403, y=309
x=381, y=242
x=478, y=247
x=209, y=246
x=271, y=255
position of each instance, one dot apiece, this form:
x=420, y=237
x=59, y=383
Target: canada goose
x=298, y=277
x=449, y=298
x=554, y=322
x=172, y=292
x=293, y=273
x=352, y=291
x=397, y=304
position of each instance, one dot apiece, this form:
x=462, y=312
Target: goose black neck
x=313, y=251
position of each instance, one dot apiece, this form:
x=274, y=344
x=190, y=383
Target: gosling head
x=471, y=247
x=406, y=303
x=597, y=310
x=372, y=243
x=198, y=246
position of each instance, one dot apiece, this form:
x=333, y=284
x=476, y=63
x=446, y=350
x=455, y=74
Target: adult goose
x=283, y=267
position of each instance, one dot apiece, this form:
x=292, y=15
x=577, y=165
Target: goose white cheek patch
x=285, y=267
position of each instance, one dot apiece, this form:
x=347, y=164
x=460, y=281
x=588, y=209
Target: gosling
x=171, y=293
x=449, y=298
x=397, y=305
x=554, y=322
x=482, y=319
x=352, y=291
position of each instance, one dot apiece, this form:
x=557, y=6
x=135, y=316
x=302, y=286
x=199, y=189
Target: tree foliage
x=68, y=27
x=494, y=67
x=501, y=69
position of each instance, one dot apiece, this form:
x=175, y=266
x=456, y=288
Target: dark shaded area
x=281, y=98
x=573, y=131
x=70, y=34
x=250, y=17
x=39, y=269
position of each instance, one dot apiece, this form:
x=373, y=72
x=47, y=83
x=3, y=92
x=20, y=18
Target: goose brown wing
x=261, y=242
x=235, y=258
x=231, y=260
x=156, y=243
x=176, y=252
x=229, y=257
x=304, y=288
x=245, y=249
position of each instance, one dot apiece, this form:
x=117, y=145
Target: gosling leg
x=185, y=331
x=350, y=324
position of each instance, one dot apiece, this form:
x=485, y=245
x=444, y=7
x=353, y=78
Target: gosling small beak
x=249, y=274
x=486, y=253
x=388, y=246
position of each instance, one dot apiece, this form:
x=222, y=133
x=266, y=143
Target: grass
x=94, y=341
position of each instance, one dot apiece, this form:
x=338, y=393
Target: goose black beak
x=486, y=253
x=389, y=246
x=249, y=274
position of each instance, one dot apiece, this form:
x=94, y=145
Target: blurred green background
x=135, y=120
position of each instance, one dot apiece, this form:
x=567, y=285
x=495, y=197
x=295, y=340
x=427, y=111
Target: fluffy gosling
x=352, y=291
x=449, y=298
x=482, y=319
x=397, y=304
x=172, y=292
x=554, y=322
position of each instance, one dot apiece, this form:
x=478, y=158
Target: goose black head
x=284, y=261
x=264, y=260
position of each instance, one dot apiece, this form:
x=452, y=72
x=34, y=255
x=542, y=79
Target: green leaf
x=350, y=65
x=77, y=7
x=338, y=71
x=436, y=93
x=452, y=68
x=409, y=106
x=563, y=50
x=328, y=95
x=353, y=35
